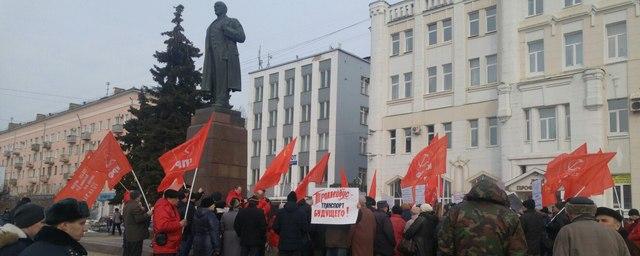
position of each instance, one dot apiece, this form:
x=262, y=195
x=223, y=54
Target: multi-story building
x=322, y=100
x=513, y=83
x=40, y=156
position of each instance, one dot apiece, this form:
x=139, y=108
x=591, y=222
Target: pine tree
x=165, y=110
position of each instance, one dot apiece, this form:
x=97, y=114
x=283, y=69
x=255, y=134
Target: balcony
x=64, y=158
x=434, y=4
x=13, y=182
x=7, y=153
x=117, y=128
x=17, y=164
x=400, y=10
x=67, y=176
x=44, y=178
x=35, y=147
x=29, y=165
x=48, y=160
x=72, y=138
x=86, y=136
x=46, y=145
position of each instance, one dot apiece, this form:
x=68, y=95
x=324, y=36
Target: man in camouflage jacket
x=482, y=225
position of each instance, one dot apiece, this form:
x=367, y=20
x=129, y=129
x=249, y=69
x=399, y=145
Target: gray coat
x=136, y=222
x=585, y=236
x=231, y=241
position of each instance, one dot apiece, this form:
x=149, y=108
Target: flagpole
x=561, y=210
x=615, y=194
x=141, y=190
x=125, y=188
x=193, y=181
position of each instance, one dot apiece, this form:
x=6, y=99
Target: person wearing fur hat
x=14, y=238
x=292, y=225
x=584, y=236
x=65, y=227
x=205, y=230
x=613, y=219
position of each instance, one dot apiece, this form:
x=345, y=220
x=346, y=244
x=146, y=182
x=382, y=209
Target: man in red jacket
x=167, y=225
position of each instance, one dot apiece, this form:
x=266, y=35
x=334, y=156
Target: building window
x=324, y=110
x=305, y=113
x=447, y=73
x=493, y=131
x=304, y=170
x=527, y=124
x=392, y=141
x=474, y=72
x=363, y=145
x=258, y=93
x=395, y=87
x=492, y=68
x=323, y=141
x=449, y=132
x=622, y=196
x=536, y=56
x=256, y=148
x=432, y=74
x=273, y=90
x=407, y=140
x=618, y=116
x=255, y=176
x=394, y=189
x=474, y=24
x=395, y=44
x=304, y=143
x=272, y=146
x=431, y=132
x=364, y=85
x=325, y=77
x=567, y=117
x=257, y=121
x=491, y=19
x=573, y=49
x=446, y=191
x=407, y=85
x=306, y=83
x=273, y=118
x=408, y=38
x=287, y=140
x=473, y=130
x=617, y=40
x=433, y=33
x=571, y=2
x=364, y=115
x=548, y=123
x=288, y=116
x=446, y=30
x=290, y=86
x=535, y=7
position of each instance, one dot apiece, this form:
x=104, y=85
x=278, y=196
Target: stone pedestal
x=224, y=160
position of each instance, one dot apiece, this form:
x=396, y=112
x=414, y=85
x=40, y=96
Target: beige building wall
x=40, y=156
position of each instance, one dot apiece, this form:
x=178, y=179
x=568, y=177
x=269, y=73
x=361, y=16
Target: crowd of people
x=195, y=223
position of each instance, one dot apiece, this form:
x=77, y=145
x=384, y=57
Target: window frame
x=306, y=82
x=324, y=110
x=408, y=84
x=407, y=140
x=473, y=131
x=619, y=113
x=323, y=141
x=493, y=17
x=616, y=38
x=446, y=28
x=395, y=44
x=364, y=115
x=447, y=76
x=449, y=133
x=304, y=143
x=492, y=68
x=431, y=132
x=363, y=145
x=536, y=56
x=273, y=147
x=474, y=71
x=257, y=121
x=395, y=87
x=432, y=79
x=494, y=137
x=290, y=86
x=432, y=32
x=288, y=116
x=474, y=23
x=408, y=41
x=392, y=142
x=535, y=7
x=545, y=126
x=527, y=123
x=577, y=50
x=273, y=90
x=258, y=93
x=364, y=85
x=569, y=3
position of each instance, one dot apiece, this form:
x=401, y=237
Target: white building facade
x=322, y=100
x=513, y=83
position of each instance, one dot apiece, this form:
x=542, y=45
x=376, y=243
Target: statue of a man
x=221, y=71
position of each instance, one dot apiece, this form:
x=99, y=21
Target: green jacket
x=482, y=225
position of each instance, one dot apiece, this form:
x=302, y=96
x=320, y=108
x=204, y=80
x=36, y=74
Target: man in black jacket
x=251, y=227
x=28, y=222
x=384, y=241
x=533, y=226
x=292, y=225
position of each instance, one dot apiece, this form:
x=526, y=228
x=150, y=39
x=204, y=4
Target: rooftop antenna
x=107, y=84
x=260, y=57
x=269, y=57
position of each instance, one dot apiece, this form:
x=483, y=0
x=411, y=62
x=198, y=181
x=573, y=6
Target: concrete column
x=561, y=131
x=535, y=128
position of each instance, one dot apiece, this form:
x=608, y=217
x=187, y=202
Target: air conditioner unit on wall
x=416, y=130
x=634, y=104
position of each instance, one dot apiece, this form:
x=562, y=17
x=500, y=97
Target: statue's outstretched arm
x=234, y=31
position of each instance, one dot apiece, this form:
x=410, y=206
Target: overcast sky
x=56, y=52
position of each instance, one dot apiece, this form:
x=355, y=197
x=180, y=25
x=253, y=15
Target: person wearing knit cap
x=65, y=227
x=206, y=230
x=584, y=236
x=292, y=225
x=613, y=219
x=28, y=220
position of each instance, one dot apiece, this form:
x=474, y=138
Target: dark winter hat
x=28, y=214
x=609, y=212
x=206, y=202
x=66, y=210
x=382, y=204
x=370, y=202
x=634, y=212
x=170, y=193
x=396, y=209
x=581, y=206
x=292, y=197
x=134, y=194
x=529, y=204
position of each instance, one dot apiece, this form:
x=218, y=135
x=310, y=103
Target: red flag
x=173, y=181
x=372, y=189
x=343, y=179
x=594, y=180
x=315, y=175
x=110, y=159
x=553, y=175
x=85, y=185
x=187, y=155
x=279, y=165
x=430, y=161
